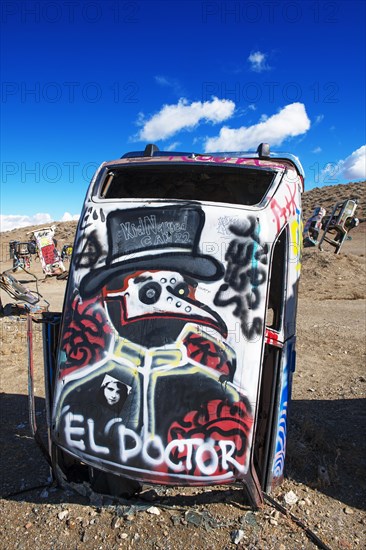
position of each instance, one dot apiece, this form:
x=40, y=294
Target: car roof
x=263, y=153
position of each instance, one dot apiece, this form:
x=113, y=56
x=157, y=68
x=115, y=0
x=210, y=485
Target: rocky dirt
x=329, y=195
x=326, y=455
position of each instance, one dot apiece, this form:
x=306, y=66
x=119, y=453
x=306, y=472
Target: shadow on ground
x=25, y=472
x=326, y=448
x=326, y=451
x=22, y=463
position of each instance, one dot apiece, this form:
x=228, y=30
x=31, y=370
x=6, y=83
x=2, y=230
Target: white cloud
x=184, y=115
x=317, y=150
x=163, y=81
x=258, y=62
x=354, y=166
x=173, y=146
x=351, y=168
x=169, y=83
x=67, y=217
x=16, y=221
x=290, y=121
x=319, y=119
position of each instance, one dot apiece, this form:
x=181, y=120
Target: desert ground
x=326, y=446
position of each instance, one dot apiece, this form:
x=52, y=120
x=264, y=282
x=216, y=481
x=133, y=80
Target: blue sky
x=86, y=81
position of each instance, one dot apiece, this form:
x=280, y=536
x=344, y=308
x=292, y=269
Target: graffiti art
x=161, y=365
x=50, y=258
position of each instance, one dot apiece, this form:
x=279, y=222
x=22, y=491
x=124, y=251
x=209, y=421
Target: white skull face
x=164, y=294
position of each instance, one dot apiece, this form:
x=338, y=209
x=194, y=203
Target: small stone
x=123, y=536
x=344, y=544
x=348, y=510
x=273, y=521
x=116, y=523
x=62, y=515
x=291, y=498
x=194, y=517
x=236, y=536
x=28, y=525
x=78, y=519
x=70, y=524
x=153, y=510
x=250, y=519
x=175, y=520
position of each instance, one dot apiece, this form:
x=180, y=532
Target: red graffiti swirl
x=86, y=334
x=206, y=352
x=216, y=421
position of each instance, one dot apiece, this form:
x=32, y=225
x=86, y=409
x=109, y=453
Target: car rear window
x=217, y=183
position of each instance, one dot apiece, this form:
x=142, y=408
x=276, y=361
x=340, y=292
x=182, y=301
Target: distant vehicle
x=313, y=227
x=339, y=222
x=45, y=243
x=66, y=252
x=172, y=360
x=20, y=253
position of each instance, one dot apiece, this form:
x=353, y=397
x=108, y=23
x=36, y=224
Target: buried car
x=172, y=360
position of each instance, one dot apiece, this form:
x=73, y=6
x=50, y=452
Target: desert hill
x=322, y=196
x=329, y=195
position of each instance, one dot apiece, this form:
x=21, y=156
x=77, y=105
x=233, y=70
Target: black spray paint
x=244, y=274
